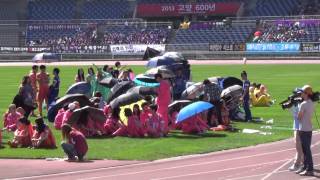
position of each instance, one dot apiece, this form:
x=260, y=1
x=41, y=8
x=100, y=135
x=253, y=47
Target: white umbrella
x=174, y=55
x=43, y=57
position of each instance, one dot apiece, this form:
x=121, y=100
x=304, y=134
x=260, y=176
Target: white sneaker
x=293, y=168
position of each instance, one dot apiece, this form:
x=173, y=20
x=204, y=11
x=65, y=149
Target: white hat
x=72, y=106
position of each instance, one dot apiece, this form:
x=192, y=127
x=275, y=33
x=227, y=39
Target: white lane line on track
x=257, y=175
x=277, y=169
x=228, y=169
x=150, y=163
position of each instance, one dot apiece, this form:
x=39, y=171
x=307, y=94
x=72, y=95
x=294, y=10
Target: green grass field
x=279, y=79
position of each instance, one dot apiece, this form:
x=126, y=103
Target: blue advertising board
x=273, y=47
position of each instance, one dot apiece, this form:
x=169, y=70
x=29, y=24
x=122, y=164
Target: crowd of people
x=280, y=33
x=144, y=36
x=87, y=39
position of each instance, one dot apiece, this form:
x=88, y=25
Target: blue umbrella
x=160, y=61
x=193, y=109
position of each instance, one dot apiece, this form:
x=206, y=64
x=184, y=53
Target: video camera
x=295, y=98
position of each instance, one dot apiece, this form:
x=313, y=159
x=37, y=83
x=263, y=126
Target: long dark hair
x=25, y=80
x=92, y=70
x=80, y=76
x=40, y=126
x=116, y=113
x=136, y=106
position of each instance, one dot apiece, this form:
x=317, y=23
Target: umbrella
x=144, y=80
x=118, y=89
x=193, y=109
x=150, y=53
x=160, y=61
x=83, y=113
x=65, y=100
x=177, y=56
x=47, y=57
x=125, y=99
x=214, y=79
x=230, y=81
x=178, y=103
x=163, y=70
x=108, y=82
x=79, y=88
x=193, y=91
x=143, y=90
x=231, y=96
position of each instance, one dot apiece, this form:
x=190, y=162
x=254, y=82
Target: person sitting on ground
x=194, y=125
x=74, y=143
x=260, y=98
x=145, y=113
x=155, y=124
x=112, y=122
x=135, y=127
x=23, y=134
x=42, y=135
x=10, y=118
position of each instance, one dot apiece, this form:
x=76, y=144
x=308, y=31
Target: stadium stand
x=111, y=9
x=274, y=8
x=48, y=9
x=9, y=35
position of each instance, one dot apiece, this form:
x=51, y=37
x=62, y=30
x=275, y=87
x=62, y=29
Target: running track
x=267, y=161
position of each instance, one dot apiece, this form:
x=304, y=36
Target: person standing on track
x=33, y=79
x=306, y=110
x=298, y=160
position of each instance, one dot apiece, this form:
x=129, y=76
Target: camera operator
x=306, y=110
x=298, y=160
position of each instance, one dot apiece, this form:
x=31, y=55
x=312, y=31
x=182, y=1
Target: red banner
x=156, y=10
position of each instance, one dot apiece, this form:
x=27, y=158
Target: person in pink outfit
x=71, y=107
x=135, y=127
x=194, y=125
x=164, y=98
x=42, y=136
x=33, y=79
x=43, y=81
x=23, y=134
x=144, y=115
x=112, y=122
x=59, y=118
x=11, y=118
x=74, y=143
x=155, y=124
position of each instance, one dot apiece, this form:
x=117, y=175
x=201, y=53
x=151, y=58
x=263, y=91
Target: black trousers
x=217, y=107
x=306, y=137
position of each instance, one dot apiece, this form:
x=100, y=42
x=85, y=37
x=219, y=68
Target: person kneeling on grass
x=22, y=136
x=42, y=136
x=74, y=143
